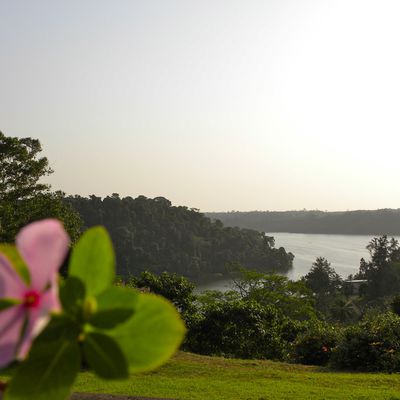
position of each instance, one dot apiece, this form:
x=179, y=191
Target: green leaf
x=104, y=356
x=11, y=252
x=48, y=373
x=60, y=326
x=114, y=306
x=93, y=261
x=152, y=335
x=108, y=319
x=7, y=303
x=72, y=295
x=117, y=297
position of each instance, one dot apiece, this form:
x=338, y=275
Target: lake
x=342, y=251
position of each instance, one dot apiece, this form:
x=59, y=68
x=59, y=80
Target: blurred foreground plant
x=50, y=330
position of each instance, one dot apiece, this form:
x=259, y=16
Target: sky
x=215, y=104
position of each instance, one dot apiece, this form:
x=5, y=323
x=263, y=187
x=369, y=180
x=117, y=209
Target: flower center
x=32, y=299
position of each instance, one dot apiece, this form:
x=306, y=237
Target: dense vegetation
x=23, y=198
x=152, y=234
x=316, y=320
x=363, y=222
x=147, y=233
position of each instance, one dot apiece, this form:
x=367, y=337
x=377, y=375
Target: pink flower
x=43, y=246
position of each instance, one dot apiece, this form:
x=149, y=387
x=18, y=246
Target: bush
x=174, y=287
x=291, y=329
x=315, y=345
x=395, y=305
x=371, y=345
x=241, y=329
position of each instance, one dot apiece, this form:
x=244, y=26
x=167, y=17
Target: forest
x=360, y=222
x=152, y=234
x=149, y=234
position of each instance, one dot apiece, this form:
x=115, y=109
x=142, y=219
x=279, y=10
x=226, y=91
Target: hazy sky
x=218, y=104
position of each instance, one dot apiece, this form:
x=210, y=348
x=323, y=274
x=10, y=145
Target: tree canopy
x=21, y=168
x=382, y=272
x=151, y=234
x=23, y=198
x=322, y=278
x=292, y=298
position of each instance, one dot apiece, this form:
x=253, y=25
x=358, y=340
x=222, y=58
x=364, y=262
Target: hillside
x=362, y=222
x=152, y=234
x=192, y=377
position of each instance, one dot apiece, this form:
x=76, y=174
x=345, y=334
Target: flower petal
x=11, y=285
x=43, y=245
x=50, y=302
x=11, y=323
x=11, y=319
x=38, y=318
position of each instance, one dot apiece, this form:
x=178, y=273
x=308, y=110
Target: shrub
x=241, y=329
x=176, y=288
x=291, y=329
x=371, y=345
x=315, y=345
x=395, y=305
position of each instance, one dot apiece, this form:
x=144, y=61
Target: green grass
x=189, y=376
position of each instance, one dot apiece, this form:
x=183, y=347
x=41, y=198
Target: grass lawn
x=189, y=376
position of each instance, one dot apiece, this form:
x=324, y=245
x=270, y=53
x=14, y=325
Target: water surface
x=342, y=251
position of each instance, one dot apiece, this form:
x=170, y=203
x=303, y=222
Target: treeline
x=147, y=233
x=363, y=222
x=152, y=234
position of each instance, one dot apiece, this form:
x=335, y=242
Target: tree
x=292, y=299
x=322, y=278
x=21, y=168
x=23, y=198
x=344, y=310
x=152, y=234
x=325, y=284
x=382, y=272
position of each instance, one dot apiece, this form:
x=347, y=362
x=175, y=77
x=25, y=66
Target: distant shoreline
x=333, y=234
x=361, y=222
